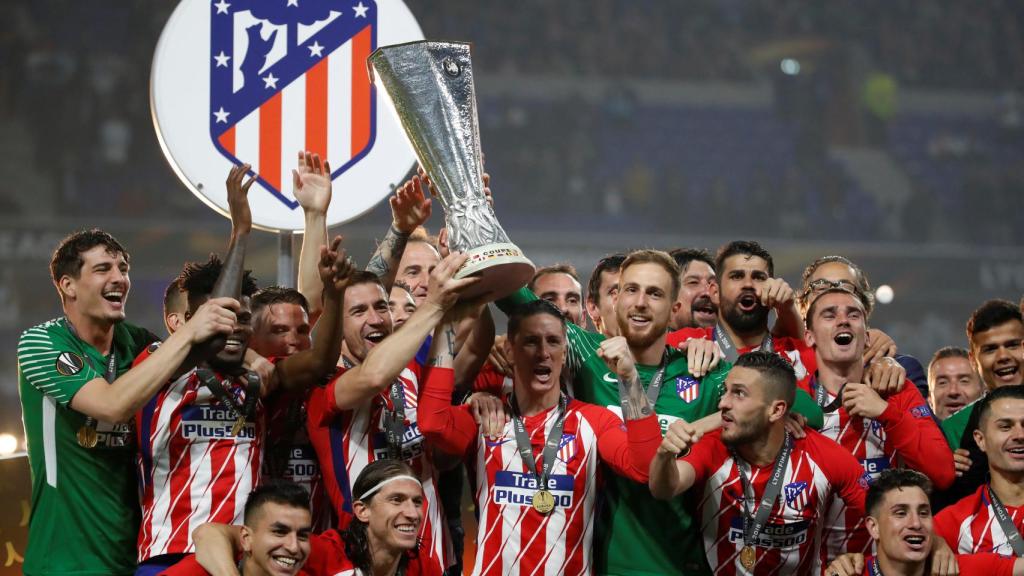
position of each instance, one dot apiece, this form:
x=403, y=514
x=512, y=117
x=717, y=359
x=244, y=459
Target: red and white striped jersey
x=970, y=525
x=191, y=468
x=347, y=440
x=905, y=435
x=818, y=471
x=512, y=537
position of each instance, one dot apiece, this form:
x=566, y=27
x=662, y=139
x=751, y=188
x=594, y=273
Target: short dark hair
x=271, y=295
x=67, y=258
x=809, y=317
x=403, y=285
x=948, y=352
x=984, y=408
x=197, y=279
x=365, y=277
x=532, y=308
x=560, y=268
x=777, y=374
x=610, y=263
x=684, y=256
x=174, y=296
x=277, y=492
x=743, y=248
x=860, y=279
x=894, y=479
x=659, y=258
x=991, y=314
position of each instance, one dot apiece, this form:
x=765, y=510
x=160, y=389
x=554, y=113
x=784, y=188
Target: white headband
x=382, y=483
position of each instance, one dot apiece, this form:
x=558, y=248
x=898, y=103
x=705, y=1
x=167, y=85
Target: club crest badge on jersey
x=688, y=388
x=256, y=81
x=567, y=448
x=796, y=495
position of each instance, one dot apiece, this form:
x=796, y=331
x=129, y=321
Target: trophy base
x=502, y=269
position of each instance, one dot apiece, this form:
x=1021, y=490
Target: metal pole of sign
x=285, y=261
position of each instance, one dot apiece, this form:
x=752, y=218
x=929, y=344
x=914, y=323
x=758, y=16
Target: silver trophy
x=430, y=88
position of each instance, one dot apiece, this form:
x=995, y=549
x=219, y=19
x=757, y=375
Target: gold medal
x=87, y=437
x=543, y=501
x=747, y=557
x=239, y=424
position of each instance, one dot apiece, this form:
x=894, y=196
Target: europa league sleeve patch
x=69, y=364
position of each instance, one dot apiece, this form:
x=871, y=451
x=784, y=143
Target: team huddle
x=325, y=429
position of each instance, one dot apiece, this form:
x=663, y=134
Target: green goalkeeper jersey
x=85, y=508
x=637, y=534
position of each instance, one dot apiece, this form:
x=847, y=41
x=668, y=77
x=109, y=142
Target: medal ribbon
x=394, y=420
x=547, y=456
x=654, y=388
x=240, y=412
x=109, y=376
x=1006, y=523
x=754, y=523
x=875, y=570
x=730, y=351
x=820, y=396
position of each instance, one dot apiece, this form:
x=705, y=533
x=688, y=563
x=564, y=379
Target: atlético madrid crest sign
x=256, y=81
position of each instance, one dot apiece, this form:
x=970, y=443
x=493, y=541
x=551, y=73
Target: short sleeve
x=53, y=364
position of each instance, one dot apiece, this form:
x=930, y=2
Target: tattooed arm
x=410, y=208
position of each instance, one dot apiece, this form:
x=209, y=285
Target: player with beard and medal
x=368, y=411
x=635, y=534
x=763, y=493
x=78, y=397
x=900, y=522
x=995, y=336
x=538, y=477
x=698, y=289
x=201, y=435
x=897, y=430
x=992, y=518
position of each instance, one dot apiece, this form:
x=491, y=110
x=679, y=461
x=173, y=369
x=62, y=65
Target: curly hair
x=197, y=279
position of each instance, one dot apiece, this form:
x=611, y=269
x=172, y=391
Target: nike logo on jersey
x=610, y=378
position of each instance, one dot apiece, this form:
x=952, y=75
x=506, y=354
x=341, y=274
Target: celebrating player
x=538, y=480
x=952, y=381
x=764, y=493
x=879, y=432
x=276, y=537
x=602, y=290
x=698, y=289
x=900, y=522
x=560, y=285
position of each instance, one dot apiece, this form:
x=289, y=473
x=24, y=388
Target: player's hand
x=443, y=289
x=879, y=345
x=702, y=356
x=862, y=400
x=943, y=559
x=679, y=437
x=617, y=356
x=961, y=461
x=427, y=183
x=886, y=376
x=795, y=425
x=501, y=362
x=410, y=207
x=335, y=267
x=489, y=412
x=262, y=367
x=775, y=293
x=312, y=182
x=238, y=198
x=846, y=565
x=487, y=190
x=216, y=317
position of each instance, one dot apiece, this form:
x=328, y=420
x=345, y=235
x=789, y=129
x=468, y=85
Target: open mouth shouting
x=748, y=302
x=917, y=543
x=374, y=337
x=704, y=310
x=843, y=338
x=115, y=297
x=233, y=345
x=542, y=373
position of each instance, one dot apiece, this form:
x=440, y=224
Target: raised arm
x=410, y=208
x=386, y=360
x=313, y=366
x=475, y=348
x=450, y=428
x=312, y=184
